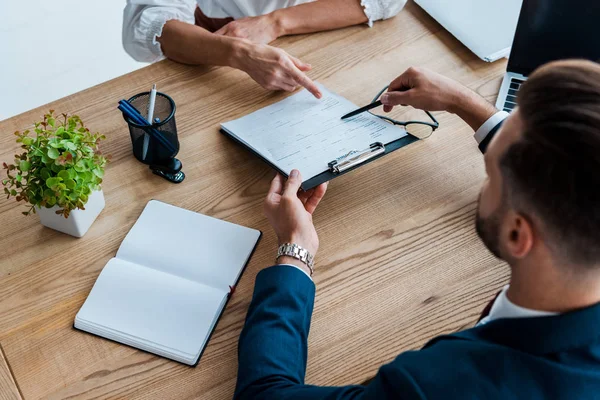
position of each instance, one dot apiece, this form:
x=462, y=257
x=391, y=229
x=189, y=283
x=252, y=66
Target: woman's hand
x=262, y=29
x=290, y=212
x=273, y=68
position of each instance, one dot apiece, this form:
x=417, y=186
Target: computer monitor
x=555, y=29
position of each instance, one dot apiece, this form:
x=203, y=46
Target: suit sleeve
x=272, y=351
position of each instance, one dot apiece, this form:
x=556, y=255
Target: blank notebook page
x=190, y=245
x=166, y=311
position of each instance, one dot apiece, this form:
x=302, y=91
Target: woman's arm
x=321, y=15
x=158, y=28
x=190, y=44
x=270, y=67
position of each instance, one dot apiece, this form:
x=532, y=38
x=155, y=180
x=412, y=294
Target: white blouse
x=143, y=20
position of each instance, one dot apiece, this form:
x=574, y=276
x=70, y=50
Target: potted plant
x=59, y=173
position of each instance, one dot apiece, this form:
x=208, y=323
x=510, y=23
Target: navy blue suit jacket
x=555, y=357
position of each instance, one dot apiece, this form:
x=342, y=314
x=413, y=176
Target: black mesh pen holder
x=156, y=145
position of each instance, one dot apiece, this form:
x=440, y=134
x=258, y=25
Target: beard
x=488, y=230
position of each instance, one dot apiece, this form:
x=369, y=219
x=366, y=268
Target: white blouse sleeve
x=143, y=21
x=381, y=9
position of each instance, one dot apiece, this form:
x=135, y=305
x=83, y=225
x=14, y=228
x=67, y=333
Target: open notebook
x=308, y=134
x=169, y=282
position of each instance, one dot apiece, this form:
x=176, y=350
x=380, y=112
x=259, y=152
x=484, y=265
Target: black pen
x=362, y=109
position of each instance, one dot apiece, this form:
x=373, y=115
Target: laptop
x=549, y=30
x=486, y=27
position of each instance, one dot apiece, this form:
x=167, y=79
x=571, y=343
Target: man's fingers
x=304, y=196
x=314, y=200
x=277, y=184
x=303, y=80
x=396, y=98
x=400, y=83
x=302, y=66
x=404, y=81
x=291, y=186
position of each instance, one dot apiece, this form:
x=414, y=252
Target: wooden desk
x=399, y=263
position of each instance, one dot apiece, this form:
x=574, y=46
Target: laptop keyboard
x=511, y=98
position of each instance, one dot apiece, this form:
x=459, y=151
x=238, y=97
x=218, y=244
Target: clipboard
x=347, y=163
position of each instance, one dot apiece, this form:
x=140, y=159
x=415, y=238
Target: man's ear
x=519, y=235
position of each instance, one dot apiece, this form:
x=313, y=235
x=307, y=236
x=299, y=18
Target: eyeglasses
x=412, y=119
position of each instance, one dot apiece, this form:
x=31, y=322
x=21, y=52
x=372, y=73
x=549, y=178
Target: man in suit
x=539, y=210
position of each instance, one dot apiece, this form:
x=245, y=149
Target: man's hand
x=427, y=90
x=290, y=212
x=262, y=29
x=273, y=68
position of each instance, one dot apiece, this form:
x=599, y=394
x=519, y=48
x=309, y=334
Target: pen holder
x=149, y=150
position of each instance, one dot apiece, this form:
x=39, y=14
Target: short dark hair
x=553, y=171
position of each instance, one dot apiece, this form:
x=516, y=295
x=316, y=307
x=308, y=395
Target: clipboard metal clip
x=354, y=158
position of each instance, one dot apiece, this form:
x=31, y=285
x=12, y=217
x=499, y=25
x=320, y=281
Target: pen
x=151, y=103
x=130, y=112
x=362, y=109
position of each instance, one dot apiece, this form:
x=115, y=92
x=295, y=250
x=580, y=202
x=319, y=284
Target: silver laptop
x=486, y=27
x=549, y=30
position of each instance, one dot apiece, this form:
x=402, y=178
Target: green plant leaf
x=98, y=172
x=45, y=173
x=70, y=183
x=64, y=175
x=52, y=182
x=70, y=146
x=80, y=166
x=53, y=153
x=27, y=141
x=24, y=165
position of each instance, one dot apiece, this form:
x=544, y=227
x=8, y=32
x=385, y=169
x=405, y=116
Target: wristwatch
x=298, y=252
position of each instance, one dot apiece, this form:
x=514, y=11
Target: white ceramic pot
x=79, y=221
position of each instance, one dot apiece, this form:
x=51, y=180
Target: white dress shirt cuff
x=297, y=267
x=143, y=22
x=376, y=10
x=488, y=125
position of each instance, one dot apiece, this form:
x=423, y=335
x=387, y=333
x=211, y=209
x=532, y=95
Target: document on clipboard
x=307, y=134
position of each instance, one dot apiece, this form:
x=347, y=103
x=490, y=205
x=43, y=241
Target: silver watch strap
x=297, y=252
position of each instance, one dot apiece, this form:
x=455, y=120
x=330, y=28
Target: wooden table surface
x=399, y=262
